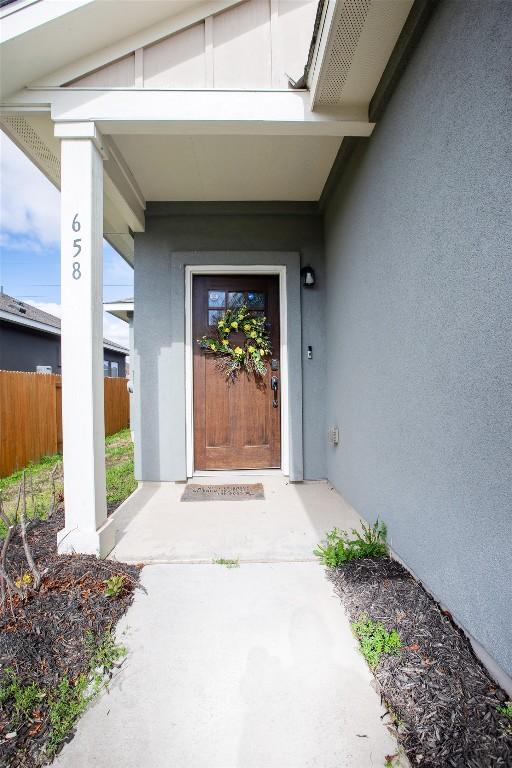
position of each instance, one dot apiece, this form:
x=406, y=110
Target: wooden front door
x=236, y=423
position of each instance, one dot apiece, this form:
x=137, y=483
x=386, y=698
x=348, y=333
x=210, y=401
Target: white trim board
x=256, y=269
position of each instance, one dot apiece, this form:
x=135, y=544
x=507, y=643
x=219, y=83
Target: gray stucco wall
x=419, y=318
x=159, y=350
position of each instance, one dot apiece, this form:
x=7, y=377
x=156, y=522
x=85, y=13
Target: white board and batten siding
x=251, y=46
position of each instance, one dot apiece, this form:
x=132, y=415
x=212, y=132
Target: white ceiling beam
x=196, y=112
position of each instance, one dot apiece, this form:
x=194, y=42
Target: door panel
x=235, y=423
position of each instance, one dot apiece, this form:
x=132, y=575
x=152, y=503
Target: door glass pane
x=216, y=298
x=235, y=300
x=255, y=300
x=214, y=315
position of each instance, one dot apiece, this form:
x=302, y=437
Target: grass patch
x=338, y=548
x=120, y=482
x=227, y=563
x=374, y=639
x=119, y=476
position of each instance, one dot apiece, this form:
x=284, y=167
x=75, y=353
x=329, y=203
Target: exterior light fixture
x=308, y=277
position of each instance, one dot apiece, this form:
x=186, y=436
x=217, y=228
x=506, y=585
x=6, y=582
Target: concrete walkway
x=253, y=667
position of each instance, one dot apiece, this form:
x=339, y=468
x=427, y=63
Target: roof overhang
x=121, y=309
x=29, y=323
x=196, y=144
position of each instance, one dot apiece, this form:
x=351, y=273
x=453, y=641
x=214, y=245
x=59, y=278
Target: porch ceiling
x=209, y=167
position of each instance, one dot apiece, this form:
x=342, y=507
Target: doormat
x=196, y=492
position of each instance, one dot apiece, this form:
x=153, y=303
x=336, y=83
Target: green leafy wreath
x=251, y=356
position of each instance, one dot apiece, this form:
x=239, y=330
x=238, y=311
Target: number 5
x=76, y=224
x=76, y=244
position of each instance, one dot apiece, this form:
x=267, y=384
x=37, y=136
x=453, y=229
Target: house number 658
x=76, y=227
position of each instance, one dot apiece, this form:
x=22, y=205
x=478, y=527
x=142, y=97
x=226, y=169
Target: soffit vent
x=345, y=33
x=24, y=135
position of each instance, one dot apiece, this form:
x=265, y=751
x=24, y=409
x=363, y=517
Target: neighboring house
x=385, y=168
x=30, y=341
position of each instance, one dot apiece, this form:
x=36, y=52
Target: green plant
x=506, y=710
x=105, y=654
x=374, y=639
x=66, y=704
x=114, y=585
x=339, y=548
x=70, y=699
x=227, y=562
x=24, y=698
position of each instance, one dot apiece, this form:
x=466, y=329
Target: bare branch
x=4, y=576
x=28, y=554
x=53, y=473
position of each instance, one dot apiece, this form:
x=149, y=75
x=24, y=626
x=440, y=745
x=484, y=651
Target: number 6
x=76, y=224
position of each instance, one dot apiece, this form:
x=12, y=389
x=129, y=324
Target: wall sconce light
x=308, y=277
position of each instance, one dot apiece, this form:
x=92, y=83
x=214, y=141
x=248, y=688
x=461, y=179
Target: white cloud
x=113, y=328
x=47, y=306
x=29, y=203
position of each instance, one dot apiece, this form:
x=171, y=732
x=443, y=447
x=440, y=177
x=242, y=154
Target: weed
x=114, y=585
x=506, y=710
x=70, y=699
x=338, y=548
x=24, y=581
x=374, y=639
x=24, y=698
x=66, y=704
x=105, y=654
x=227, y=562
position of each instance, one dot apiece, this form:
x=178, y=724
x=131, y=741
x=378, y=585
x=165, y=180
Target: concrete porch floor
x=153, y=525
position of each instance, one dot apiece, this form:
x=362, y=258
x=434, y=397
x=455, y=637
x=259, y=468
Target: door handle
x=274, y=384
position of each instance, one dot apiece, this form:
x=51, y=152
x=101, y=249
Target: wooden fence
x=31, y=416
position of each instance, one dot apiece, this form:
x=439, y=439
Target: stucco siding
x=419, y=319
x=159, y=344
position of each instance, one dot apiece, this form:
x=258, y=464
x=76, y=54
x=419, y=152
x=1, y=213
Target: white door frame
x=213, y=269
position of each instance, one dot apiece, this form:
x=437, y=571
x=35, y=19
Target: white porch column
x=82, y=341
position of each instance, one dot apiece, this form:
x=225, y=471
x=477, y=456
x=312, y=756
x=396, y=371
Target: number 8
x=76, y=270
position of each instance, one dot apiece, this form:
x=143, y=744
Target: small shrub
x=114, y=585
x=227, y=562
x=339, y=548
x=374, y=639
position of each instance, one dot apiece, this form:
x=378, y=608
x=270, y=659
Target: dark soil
x=439, y=695
x=43, y=637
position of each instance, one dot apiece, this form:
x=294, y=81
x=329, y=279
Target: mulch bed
x=441, y=697
x=43, y=637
